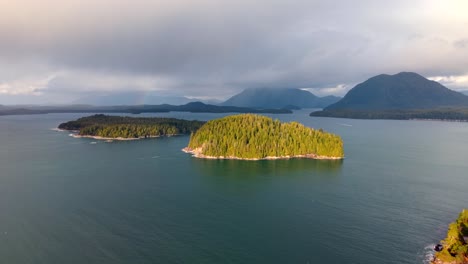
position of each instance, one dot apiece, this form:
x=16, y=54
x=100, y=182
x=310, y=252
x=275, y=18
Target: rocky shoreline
x=197, y=153
x=111, y=138
x=454, y=248
x=439, y=261
x=74, y=133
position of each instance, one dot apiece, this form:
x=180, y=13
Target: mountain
x=279, y=98
x=405, y=90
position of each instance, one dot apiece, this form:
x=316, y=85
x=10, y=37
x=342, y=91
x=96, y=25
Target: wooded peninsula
x=254, y=137
x=455, y=245
x=446, y=114
x=124, y=127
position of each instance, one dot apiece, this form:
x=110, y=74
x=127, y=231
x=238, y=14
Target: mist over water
x=65, y=200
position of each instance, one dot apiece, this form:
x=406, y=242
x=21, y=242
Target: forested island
x=123, y=127
x=254, y=137
x=454, y=248
x=447, y=114
x=193, y=107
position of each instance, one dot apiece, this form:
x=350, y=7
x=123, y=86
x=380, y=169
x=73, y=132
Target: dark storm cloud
x=216, y=48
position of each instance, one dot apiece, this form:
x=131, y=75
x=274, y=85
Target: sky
x=56, y=51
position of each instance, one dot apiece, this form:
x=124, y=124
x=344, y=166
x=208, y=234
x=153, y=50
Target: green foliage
x=455, y=246
x=255, y=136
x=130, y=127
x=398, y=114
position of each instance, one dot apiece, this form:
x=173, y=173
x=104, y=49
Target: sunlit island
x=256, y=137
x=129, y=128
x=454, y=248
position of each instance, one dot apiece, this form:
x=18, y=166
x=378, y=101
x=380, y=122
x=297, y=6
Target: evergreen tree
x=255, y=136
x=130, y=127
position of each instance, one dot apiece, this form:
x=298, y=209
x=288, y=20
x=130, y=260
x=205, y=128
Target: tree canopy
x=130, y=127
x=252, y=136
x=455, y=247
x=451, y=114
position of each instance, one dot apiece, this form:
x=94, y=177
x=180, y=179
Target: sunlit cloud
x=454, y=82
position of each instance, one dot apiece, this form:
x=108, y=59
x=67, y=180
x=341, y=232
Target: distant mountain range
x=401, y=96
x=279, y=98
x=194, y=107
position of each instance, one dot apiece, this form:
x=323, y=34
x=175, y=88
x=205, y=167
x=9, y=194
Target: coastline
x=73, y=134
x=439, y=261
x=197, y=153
x=109, y=138
x=441, y=120
x=454, y=249
x=56, y=129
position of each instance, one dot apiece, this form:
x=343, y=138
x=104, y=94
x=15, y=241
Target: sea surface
x=78, y=200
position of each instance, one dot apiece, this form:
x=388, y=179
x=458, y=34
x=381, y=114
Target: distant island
x=448, y=114
x=255, y=137
x=279, y=98
x=405, y=95
x=123, y=127
x=454, y=248
x=193, y=107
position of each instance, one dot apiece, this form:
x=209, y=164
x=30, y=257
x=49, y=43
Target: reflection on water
x=240, y=168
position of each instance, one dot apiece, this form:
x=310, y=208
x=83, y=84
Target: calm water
x=64, y=200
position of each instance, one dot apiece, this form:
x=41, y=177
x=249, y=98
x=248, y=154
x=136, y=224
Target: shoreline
x=197, y=154
x=439, y=261
x=440, y=120
x=75, y=135
x=110, y=138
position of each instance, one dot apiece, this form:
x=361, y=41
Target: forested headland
x=249, y=136
x=192, y=107
x=455, y=245
x=106, y=126
x=447, y=114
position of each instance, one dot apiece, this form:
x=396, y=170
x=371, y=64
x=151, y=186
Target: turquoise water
x=65, y=200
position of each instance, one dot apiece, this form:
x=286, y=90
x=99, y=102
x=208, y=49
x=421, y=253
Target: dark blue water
x=64, y=200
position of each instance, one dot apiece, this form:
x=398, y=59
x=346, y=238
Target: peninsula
x=124, y=128
x=256, y=137
x=454, y=248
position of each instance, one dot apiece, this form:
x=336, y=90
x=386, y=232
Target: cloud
x=461, y=43
x=339, y=90
x=458, y=82
x=28, y=87
x=209, y=48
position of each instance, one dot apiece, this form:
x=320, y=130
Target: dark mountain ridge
x=194, y=107
x=405, y=95
x=279, y=98
x=405, y=90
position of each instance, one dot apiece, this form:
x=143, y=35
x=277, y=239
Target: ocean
x=80, y=200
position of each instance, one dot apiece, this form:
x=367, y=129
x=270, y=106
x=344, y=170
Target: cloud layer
x=61, y=50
